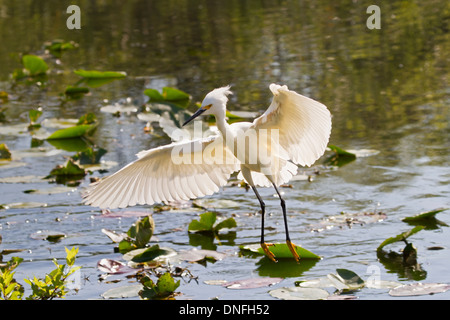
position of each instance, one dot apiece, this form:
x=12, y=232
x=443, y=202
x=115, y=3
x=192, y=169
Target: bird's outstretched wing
x=178, y=171
x=304, y=124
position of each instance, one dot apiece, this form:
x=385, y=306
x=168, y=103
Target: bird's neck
x=221, y=123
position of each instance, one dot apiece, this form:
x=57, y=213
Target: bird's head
x=213, y=103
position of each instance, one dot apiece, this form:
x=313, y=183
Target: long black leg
x=263, y=211
x=264, y=245
x=288, y=239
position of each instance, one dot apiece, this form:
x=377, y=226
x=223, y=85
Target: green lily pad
x=74, y=92
x=52, y=236
x=34, y=65
x=281, y=250
x=340, y=156
x=72, y=132
x=206, y=223
x=427, y=219
x=94, y=74
x=154, y=253
x=401, y=237
x=94, y=79
x=5, y=154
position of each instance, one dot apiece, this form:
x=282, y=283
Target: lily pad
x=401, y=237
x=298, y=293
x=23, y=179
x=154, y=253
x=340, y=156
x=54, y=190
x=34, y=65
x=72, y=132
x=74, y=92
x=52, y=236
x=70, y=169
x=252, y=283
x=206, y=223
x=418, y=289
x=23, y=205
x=168, y=94
x=196, y=255
x=426, y=219
x=113, y=267
x=5, y=154
x=281, y=250
x=114, y=236
x=123, y=292
x=94, y=78
x=423, y=216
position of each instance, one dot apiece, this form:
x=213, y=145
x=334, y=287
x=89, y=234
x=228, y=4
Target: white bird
x=293, y=131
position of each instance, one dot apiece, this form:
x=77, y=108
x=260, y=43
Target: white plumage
x=293, y=131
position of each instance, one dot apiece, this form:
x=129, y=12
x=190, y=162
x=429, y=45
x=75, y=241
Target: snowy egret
x=293, y=131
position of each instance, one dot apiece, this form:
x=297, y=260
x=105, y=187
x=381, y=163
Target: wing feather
x=156, y=177
x=304, y=124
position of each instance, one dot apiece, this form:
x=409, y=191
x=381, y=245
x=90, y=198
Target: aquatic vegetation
x=52, y=286
x=206, y=224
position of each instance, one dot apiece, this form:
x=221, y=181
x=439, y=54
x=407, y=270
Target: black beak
x=195, y=115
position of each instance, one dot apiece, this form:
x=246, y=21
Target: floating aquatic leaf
x=72, y=132
x=58, y=46
x=206, y=223
x=96, y=79
x=418, y=289
x=23, y=205
x=196, y=255
x=252, y=283
x=74, y=92
x=164, y=287
x=123, y=292
x=23, y=179
x=281, y=250
x=168, y=94
x=114, y=236
x=427, y=219
x=54, y=190
x=5, y=154
x=34, y=65
x=34, y=115
x=94, y=74
x=401, y=237
x=142, y=231
x=298, y=293
x=69, y=169
x=8, y=164
x=340, y=156
x=59, y=123
x=119, y=108
x=90, y=155
x=52, y=236
x=350, y=279
x=113, y=267
x=154, y=253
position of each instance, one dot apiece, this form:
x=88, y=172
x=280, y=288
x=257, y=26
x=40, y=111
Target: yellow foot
x=269, y=254
x=291, y=247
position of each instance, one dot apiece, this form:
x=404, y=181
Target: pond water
x=387, y=90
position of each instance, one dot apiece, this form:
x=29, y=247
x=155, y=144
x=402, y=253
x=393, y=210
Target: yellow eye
x=207, y=107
